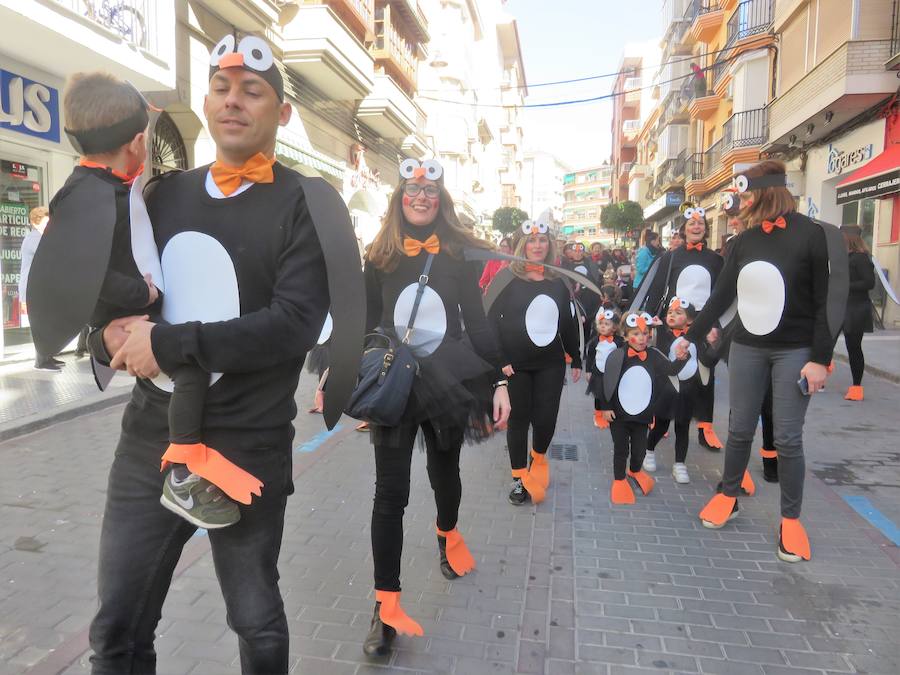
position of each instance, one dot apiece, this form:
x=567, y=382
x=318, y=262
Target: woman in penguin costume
x=532, y=318
x=788, y=276
x=690, y=273
x=459, y=393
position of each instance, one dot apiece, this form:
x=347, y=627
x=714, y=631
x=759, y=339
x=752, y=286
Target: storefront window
x=861, y=213
x=21, y=189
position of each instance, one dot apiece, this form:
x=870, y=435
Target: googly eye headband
x=638, y=320
x=679, y=303
x=530, y=227
x=608, y=314
x=252, y=54
x=744, y=183
x=430, y=169
x=692, y=211
x=731, y=203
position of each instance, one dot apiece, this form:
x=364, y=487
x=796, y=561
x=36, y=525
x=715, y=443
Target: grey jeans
x=749, y=371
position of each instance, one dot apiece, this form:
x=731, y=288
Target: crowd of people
x=206, y=437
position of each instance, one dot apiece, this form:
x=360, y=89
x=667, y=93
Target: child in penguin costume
x=634, y=379
x=605, y=341
x=788, y=277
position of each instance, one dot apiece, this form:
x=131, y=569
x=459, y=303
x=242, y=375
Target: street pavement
x=573, y=585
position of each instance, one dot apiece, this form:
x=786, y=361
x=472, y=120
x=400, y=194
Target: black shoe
x=47, y=366
x=701, y=438
x=518, y=495
x=380, y=638
x=446, y=570
x=770, y=469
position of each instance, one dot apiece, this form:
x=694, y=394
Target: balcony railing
x=391, y=45
x=631, y=127
x=751, y=17
x=675, y=107
x=746, y=129
x=718, y=71
x=132, y=20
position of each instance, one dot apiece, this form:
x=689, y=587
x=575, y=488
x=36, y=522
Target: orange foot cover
x=599, y=421
x=540, y=469
x=644, y=480
x=710, y=434
x=747, y=484
x=214, y=467
x=537, y=491
x=854, y=393
x=621, y=492
x=793, y=537
x=718, y=509
x=458, y=554
x=392, y=614
x=768, y=454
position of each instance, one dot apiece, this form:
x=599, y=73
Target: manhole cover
x=564, y=451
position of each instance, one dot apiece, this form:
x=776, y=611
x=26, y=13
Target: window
x=861, y=213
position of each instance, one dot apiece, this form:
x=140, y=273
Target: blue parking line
x=880, y=521
x=317, y=440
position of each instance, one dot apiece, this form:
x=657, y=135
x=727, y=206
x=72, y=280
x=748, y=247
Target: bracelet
x=501, y=383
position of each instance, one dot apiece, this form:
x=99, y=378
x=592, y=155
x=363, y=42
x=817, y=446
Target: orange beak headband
x=106, y=139
x=608, y=314
x=642, y=321
x=684, y=306
x=430, y=169
x=692, y=212
x=253, y=55
x=743, y=183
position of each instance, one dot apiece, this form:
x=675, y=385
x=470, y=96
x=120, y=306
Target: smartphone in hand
x=803, y=383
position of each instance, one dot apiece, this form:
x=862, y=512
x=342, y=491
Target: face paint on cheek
x=407, y=200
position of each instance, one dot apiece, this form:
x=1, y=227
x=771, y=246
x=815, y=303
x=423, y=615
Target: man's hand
x=608, y=415
x=136, y=355
x=576, y=375
x=154, y=291
x=501, y=408
x=114, y=334
x=815, y=374
x=508, y=370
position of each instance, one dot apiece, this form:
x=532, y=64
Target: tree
x=507, y=219
x=621, y=217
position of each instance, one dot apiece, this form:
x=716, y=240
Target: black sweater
x=280, y=270
x=518, y=315
x=780, y=281
x=659, y=295
x=645, y=388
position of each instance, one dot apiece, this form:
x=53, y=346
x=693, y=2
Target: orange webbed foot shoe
x=711, y=440
x=210, y=464
x=854, y=393
x=718, y=511
x=392, y=614
x=535, y=490
x=540, y=469
x=459, y=557
x=747, y=484
x=621, y=492
x=644, y=480
x=793, y=543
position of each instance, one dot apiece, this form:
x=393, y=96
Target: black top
x=534, y=324
x=272, y=244
x=701, y=265
x=780, y=281
x=858, y=318
x=637, y=393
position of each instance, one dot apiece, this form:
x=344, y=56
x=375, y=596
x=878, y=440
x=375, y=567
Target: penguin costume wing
x=640, y=297
x=613, y=372
x=483, y=254
x=346, y=290
x=838, y=278
x=498, y=284
x=71, y=262
x=882, y=277
x=673, y=379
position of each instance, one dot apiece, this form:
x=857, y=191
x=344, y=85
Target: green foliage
x=621, y=217
x=507, y=219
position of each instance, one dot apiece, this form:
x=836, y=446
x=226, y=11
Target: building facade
x=543, y=178
x=586, y=192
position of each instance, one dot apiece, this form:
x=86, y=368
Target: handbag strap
x=665, y=292
x=420, y=291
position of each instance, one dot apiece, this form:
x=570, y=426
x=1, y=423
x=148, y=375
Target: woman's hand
x=608, y=415
x=815, y=374
x=508, y=370
x=502, y=408
x=576, y=375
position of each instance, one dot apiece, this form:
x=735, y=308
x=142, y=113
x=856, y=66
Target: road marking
x=317, y=440
x=880, y=521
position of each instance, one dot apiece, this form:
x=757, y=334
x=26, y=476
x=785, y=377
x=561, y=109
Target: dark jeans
x=141, y=542
x=392, y=470
x=534, y=396
x=629, y=438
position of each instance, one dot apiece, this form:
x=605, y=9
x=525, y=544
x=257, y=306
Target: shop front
x=664, y=216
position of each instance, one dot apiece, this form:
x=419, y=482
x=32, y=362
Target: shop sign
x=869, y=188
x=28, y=107
x=361, y=176
x=668, y=200
x=838, y=160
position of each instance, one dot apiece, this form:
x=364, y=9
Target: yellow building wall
x=833, y=23
x=793, y=48
x=874, y=19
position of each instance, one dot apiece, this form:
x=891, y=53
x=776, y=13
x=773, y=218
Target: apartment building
x=626, y=103
x=543, y=178
x=586, y=192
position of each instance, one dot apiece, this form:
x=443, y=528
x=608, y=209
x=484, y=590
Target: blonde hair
x=386, y=249
x=769, y=202
x=37, y=214
x=97, y=100
x=518, y=268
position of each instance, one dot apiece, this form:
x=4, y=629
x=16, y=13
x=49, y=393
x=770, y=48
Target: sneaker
x=650, y=461
x=199, y=502
x=680, y=473
x=518, y=495
x=47, y=367
x=784, y=554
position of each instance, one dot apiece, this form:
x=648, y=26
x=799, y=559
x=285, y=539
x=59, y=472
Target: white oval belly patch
x=635, y=390
x=431, y=320
x=690, y=364
x=604, y=349
x=201, y=285
x=694, y=285
x=542, y=320
x=760, y=297
x=327, y=327
x=581, y=269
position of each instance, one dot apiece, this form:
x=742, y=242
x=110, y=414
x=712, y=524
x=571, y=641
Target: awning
x=876, y=178
x=292, y=147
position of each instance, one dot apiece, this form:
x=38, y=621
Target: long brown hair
x=386, y=249
x=853, y=239
x=770, y=202
x=518, y=268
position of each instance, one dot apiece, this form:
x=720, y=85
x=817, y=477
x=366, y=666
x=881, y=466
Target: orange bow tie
x=768, y=225
x=128, y=179
x=413, y=247
x=695, y=247
x=641, y=355
x=606, y=338
x=531, y=267
x=678, y=332
x=257, y=169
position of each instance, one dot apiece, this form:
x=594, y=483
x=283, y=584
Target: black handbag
x=387, y=371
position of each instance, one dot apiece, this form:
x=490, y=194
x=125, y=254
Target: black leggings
x=855, y=356
x=186, y=405
x=534, y=396
x=768, y=425
x=682, y=436
x=392, y=469
x=628, y=437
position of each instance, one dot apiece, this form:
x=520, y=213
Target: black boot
x=446, y=570
x=770, y=469
x=380, y=638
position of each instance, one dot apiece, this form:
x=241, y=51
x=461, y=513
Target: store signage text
x=869, y=188
x=669, y=199
x=28, y=107
x=838, y=160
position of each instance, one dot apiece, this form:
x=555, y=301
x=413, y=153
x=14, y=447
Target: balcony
x=630, y=131
x=357, y=15
x=632, y=89
x=136, y=42
x=393, y=52
x=320, y=49
x=721, y=77
x=743, y=134
x=248, y=16
x=750, y=19
x=707, y=19
x=670, y=174
x=412, y=15
x=893, y=63
x=746, y=129
x=674, y=111
x=704, y=107
x=625, y=169
x=388, y=110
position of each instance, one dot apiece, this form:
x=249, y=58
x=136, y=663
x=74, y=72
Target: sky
x=569, y=39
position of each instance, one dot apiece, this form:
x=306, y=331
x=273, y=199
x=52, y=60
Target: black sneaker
x=47, y=367
x=199, y=502
x=518, y=495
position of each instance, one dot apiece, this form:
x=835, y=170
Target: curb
x=16, y=429
x=871, y=370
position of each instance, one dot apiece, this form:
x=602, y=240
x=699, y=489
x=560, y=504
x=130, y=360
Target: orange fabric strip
x=214, y=467
x=392, y=614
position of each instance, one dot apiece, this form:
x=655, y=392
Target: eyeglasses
x=413, y=190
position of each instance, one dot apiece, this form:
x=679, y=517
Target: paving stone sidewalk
x=570, y=586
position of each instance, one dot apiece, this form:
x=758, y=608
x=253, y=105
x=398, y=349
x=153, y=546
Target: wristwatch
x=501, y=383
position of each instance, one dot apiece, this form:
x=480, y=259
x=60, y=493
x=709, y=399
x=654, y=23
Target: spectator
x=646, y=255
x=493, y=266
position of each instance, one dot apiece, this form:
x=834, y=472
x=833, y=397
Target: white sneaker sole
x=713, y=526
x=178, y=511
x=649, y=468
x=788, y=557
